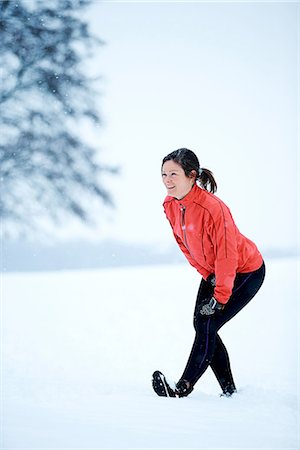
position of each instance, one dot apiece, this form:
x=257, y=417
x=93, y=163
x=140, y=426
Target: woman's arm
x=223, y=235
x=190, y=258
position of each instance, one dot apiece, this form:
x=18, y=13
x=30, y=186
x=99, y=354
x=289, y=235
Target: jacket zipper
x=183, y=227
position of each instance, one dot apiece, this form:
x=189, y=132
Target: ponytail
x=207, y=180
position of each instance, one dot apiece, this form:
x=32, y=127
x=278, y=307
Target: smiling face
x=177, y=183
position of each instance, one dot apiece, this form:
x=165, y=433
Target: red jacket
x=206, y=233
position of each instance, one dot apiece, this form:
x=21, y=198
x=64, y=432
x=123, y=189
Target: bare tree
x=47, y=168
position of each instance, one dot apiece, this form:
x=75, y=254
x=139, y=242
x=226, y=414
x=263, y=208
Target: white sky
x=218, y=78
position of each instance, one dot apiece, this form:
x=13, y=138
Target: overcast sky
x=218, y=78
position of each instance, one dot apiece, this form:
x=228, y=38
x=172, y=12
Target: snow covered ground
x=78, y=350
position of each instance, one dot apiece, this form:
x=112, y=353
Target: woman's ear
x=193, y=174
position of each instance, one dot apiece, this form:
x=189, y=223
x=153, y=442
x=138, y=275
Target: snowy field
x=79, y=348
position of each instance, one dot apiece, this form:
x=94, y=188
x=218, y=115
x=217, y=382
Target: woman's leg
x=198, y=356
x=207, y=347
x=220, y=365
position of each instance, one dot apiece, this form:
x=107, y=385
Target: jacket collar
x=188, y=199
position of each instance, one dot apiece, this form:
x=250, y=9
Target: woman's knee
x=205, y=325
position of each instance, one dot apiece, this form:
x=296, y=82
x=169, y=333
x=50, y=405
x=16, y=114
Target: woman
x=230, y=264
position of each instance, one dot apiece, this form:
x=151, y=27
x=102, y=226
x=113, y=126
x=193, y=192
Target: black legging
x=208, y=348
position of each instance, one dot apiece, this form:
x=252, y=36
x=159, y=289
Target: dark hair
x=189, y=163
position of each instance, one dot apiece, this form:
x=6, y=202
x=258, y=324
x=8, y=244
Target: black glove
x=211, y=279
x=210, y=306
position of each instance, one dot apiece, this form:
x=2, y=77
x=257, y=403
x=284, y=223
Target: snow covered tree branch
x=47, y=167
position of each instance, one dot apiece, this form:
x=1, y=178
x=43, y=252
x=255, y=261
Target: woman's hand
x=210, y=306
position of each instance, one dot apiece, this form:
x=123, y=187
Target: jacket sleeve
x=189, y=257
x=223, y=236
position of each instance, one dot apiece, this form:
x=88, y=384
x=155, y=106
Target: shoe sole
x=161, y=386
